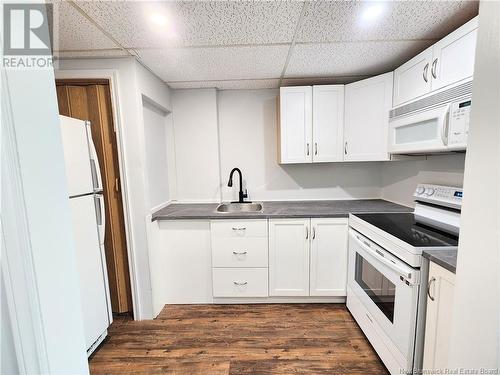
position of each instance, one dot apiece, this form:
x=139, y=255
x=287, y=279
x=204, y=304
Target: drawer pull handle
x=241, y=228
x=239, y=252
x=240, y=284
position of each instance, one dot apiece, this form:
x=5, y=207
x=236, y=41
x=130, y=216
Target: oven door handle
x=374, y=253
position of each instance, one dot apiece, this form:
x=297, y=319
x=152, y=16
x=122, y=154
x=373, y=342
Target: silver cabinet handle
x=239, y=252
x=307, y=233
x=240, y=284
x=315, y=148
x=345, y=148
x=426, y=70
x=307, y=149
x=241, y=228
x=434, y=66
x=314, y=233
x=431, y=281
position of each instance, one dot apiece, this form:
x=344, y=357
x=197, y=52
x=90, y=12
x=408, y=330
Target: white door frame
x=112, y=76
x=17, y=266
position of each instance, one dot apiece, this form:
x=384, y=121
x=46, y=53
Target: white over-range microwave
x=438, y=123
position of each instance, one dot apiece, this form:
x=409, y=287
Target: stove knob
x=430, y=191
x=420, y=190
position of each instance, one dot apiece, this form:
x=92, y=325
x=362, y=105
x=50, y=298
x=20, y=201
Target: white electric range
x=387, y=276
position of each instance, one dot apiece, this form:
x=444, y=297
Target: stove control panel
x=446, y=196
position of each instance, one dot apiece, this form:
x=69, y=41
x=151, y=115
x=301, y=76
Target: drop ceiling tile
x=196, y=23
x=328, y=21
x=91, y=54
x=73, y=31
x=244, y=84
x=348, y=59
x=214, y=64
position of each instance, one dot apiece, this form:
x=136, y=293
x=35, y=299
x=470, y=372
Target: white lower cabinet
x=179, y=262
x=289, y=257
x=438, y=317
x=239, y=258
x=308, y=257
x=239, y=252
x=328, y=265
x=240, y=282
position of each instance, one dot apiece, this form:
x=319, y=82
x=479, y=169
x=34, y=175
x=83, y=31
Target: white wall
x=476, y=312
x=247, y=126
x=155, y=143
x=42, y=224
x=248, y=140
x=133, y=82
x=399, y=178
x=8, y=357
x=196, y=145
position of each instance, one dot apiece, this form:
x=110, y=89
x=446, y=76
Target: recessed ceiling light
x=372, y=12
x=158, y=19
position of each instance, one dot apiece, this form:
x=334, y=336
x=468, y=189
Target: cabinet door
x=328, y=123
x=367, y=106
x=454, y=56
x=413, y=78
x=289, y=241
x=328, y=257
x=295, y=125
x=438, y=317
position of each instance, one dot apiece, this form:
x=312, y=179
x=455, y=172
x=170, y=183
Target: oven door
x=387, y=288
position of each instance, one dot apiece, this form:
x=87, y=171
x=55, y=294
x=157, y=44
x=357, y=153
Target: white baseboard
x=279, y=300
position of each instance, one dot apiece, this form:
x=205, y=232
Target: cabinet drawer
x=239, y=252
x=239, y=228
x=240, y=282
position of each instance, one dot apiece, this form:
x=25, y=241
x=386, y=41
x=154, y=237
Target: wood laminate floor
x=239, y=339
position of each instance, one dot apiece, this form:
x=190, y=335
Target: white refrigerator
x=87, y=206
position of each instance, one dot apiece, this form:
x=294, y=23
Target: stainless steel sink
x=239, y=207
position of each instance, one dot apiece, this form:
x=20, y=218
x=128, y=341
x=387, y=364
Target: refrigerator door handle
x=94, y=161
x=101, y=219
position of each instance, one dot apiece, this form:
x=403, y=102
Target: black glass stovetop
x=404, y=227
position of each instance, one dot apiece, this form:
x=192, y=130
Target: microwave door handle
x=383, y=260
x=444, y=126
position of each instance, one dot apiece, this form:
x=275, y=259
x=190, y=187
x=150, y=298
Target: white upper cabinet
x=289, y=247
x=367, y=106
x=328, y=123
x=295, y=125
x=328, y=257
x=447, y=62
x=454, y=56
x=413, y=78
x=311, y=124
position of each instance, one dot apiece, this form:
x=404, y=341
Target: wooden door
x=295, y=125
x=367, y=106
x=413, y=78
x=328, y=123
x=289, y=243
x=328, y=257
x=454, y=56
x=438, y=317
x=91, y=100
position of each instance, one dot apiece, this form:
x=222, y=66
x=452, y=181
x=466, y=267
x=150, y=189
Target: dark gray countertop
x=284, y=209
x=445, y=258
